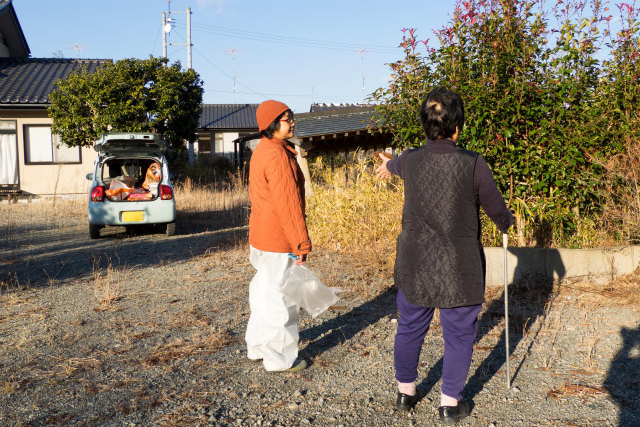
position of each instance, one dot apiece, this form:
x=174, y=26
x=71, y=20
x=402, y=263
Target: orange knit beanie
x=268, y=111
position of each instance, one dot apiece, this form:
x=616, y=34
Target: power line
x=255, y=92
x=288, y=40
x=251, y=91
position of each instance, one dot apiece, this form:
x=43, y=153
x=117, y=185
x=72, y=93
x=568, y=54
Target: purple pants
x=459, y=329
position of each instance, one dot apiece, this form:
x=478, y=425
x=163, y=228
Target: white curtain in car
x=8, y=160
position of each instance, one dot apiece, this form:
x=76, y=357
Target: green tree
x=130, y=95
x=540, y=102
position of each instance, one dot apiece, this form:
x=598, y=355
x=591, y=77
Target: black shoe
x=449, y=415
x=405, y=402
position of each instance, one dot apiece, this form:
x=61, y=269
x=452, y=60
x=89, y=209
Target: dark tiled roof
x=334, y=121
x=228, y=116
x=28, y=81
x=317, y=108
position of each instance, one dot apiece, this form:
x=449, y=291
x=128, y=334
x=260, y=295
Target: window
x=219, y=143
x=41, y=146
x=8, y=153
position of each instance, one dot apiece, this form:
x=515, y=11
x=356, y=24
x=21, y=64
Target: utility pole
x=189, y=38
x=166, y=29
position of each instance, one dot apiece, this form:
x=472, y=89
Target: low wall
x=591, y=265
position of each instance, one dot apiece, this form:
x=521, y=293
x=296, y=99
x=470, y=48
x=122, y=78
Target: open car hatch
x=131, y=143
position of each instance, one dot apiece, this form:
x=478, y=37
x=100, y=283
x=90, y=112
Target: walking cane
x=505, y=241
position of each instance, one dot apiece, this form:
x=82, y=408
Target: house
x=231, y=130
x=32, y=160
x=227, y=130
x=343, y=128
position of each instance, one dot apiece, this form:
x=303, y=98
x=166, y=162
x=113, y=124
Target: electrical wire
x=288, y=40
x=275, y=39
x=155, y=43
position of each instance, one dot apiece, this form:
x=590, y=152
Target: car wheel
x=171, y=229
x=94, y=231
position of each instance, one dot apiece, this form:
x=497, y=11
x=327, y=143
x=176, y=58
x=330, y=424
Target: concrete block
x=592, y=265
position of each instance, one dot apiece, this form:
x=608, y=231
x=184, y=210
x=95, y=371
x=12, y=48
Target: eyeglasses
x=290, y=120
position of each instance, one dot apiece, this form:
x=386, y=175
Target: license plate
x=133, y=216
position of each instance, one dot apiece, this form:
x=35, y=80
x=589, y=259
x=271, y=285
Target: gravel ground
x=148, y=330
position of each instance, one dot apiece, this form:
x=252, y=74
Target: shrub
x=541, y=103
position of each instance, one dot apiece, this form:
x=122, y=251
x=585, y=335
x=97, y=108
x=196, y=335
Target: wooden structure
x=336, y=130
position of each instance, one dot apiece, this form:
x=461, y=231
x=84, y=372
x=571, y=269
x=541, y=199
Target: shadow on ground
x=340, y=329
x=530, y=297
x=623, y=378
x=43, y=256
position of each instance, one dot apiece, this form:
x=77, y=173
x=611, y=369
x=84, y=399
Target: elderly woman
x=439, y=259
x=278, y=237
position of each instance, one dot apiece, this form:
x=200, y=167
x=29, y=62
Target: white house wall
x=58, y=179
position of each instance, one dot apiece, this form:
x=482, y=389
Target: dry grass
x=203, y=199
x=623, y=291
x=182, y=348
x=359, y=215
x=37, y=209
x=107, y=286
x=584, y=392
x=213, y=206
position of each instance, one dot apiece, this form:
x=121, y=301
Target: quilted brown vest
x=439, y=258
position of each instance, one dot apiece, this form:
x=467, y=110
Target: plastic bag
x=306, y=290
x=117, y=190
x=154, y=173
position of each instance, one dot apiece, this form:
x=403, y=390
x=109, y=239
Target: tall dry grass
x=213, y=206
x=352, y=210
x=622, y=192
x=356, y=214
x=225, y=196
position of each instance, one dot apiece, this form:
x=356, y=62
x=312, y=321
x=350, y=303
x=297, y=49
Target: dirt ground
x=147, y=329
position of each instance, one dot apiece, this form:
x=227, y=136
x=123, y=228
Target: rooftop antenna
x=77, y=47
x=361, y=53
x=233, y=52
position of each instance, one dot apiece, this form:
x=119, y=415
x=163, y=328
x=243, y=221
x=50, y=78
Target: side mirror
x=90, y=176
x=172, y=176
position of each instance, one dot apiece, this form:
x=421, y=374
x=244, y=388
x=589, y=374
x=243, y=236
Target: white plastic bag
x=306, y=290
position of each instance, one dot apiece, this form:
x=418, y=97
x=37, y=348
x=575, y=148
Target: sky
x=298, y=51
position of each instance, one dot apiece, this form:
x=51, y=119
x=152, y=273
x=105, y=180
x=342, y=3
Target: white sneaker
x=300, y=365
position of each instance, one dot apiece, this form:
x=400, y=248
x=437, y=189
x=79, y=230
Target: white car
x=130, y=184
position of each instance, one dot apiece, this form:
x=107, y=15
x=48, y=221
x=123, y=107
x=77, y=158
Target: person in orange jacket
x=278, y=237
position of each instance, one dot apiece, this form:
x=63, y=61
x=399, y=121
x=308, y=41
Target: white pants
x=272, y=332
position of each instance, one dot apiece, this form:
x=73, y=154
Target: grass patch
x=182, y=348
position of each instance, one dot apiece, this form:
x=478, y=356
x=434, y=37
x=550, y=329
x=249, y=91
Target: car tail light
x=97, y=194
x=166, y=193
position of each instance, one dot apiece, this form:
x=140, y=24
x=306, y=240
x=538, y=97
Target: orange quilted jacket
x=276, y=192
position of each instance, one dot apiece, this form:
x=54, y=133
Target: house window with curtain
x=43, y=147
x=8, y=153
x=218, y=145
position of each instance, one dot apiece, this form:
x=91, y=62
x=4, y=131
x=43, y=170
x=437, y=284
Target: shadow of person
x=623, y=378
x=338, y=330
x=530, y=297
